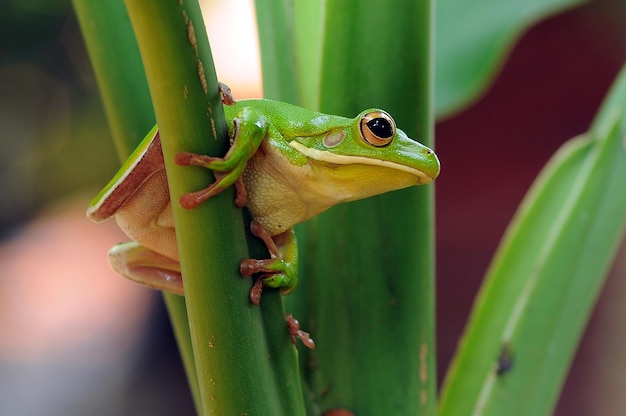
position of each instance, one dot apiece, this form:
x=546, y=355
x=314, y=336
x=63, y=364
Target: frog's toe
x=296, y=333
x=273, y=280
x=194, y=159
x=193, y=199
x=256, y=291
x=248, y=267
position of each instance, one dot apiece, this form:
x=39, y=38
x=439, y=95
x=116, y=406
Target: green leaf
x=545, y=277
x=473, y=38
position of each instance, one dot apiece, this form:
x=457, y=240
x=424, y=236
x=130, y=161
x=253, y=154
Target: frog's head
x=367, y=156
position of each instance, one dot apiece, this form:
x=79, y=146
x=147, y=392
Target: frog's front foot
x=279, y=271
x=225, y=176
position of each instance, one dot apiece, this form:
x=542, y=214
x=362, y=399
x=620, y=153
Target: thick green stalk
x=367, y=268
x=122, y=83
x=378, y=356
x=241, y=362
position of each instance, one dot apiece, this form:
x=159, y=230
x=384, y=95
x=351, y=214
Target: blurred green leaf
x=118, y=69
x=545, y=278
x=473, y=38
x=278, y=50
x=290, y=36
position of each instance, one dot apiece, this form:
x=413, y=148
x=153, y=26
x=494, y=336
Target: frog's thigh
x=146, y=267
x=147, y=217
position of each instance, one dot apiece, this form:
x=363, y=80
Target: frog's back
x=289, y=119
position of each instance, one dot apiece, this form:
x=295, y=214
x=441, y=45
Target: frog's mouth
x=328, y=157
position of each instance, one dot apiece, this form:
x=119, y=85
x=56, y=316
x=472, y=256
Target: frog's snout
x=432, y=166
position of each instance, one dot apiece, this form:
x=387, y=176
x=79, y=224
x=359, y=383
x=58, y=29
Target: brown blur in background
x=77, y=339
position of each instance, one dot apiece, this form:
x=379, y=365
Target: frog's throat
x=329, y=157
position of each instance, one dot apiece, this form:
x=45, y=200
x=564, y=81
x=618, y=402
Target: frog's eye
x=377, y=128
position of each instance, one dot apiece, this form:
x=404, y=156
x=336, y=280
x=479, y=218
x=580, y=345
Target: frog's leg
x=226, y=94
x=154, y=270
x=249, y=131
x=147, y=267
x=280, y=270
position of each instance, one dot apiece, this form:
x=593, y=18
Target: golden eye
x=378, y=128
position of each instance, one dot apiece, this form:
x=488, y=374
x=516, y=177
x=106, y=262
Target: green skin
x=288, y=165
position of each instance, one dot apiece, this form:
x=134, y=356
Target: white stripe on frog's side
x=329, y=157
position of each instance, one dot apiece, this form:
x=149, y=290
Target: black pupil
x=380, y=127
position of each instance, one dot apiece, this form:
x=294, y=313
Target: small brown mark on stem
x=424, y=363
x=191, y=33
x=191, y=37
x=213, y=129
x=205, y=87
x=423, y=374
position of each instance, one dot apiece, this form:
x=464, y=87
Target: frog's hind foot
x=296, y=333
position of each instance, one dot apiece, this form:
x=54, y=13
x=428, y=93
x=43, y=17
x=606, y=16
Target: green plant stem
x=234, y=356
x=115, y=57
x=382, y=294
x=367, y=276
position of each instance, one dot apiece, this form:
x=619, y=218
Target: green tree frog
x=288, y=164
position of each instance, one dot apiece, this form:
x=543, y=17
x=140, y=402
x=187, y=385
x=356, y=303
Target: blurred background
x=77, y=339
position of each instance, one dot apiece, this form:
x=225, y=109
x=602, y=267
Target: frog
x=287, y=164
